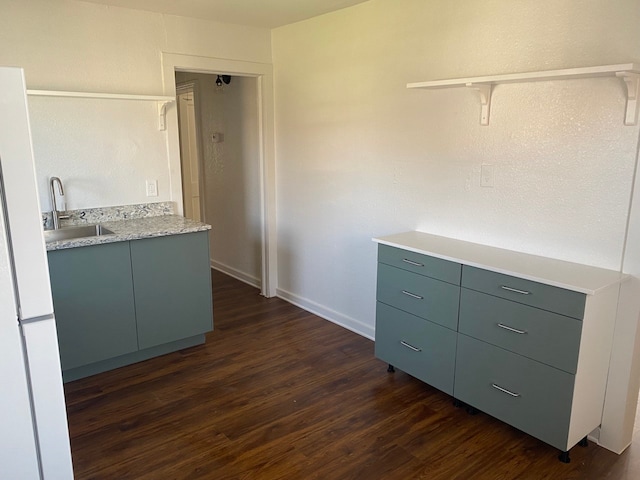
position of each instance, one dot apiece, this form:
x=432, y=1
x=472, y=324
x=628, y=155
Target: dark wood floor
x=278, y=393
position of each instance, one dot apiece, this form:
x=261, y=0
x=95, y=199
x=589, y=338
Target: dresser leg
x=564, y=457
x=584, y=442
x=472, y=410
x=390, y=369
x=457, y=403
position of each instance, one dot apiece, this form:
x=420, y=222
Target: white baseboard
x=328, y=314
x=237, y=274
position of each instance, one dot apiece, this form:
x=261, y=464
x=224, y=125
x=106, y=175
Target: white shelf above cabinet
x=162, y=101
x=628, y=72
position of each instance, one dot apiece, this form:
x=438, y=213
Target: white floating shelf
x=628, y=72
x=162, y=101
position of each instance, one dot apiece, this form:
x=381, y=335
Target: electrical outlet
x=486, y=176
x=152, y=188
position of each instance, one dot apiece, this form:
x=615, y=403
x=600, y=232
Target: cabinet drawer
x=420, y=264
x=547, y=297
x=544, y=336
x=422, y=296
x=422, y=349
x=535, y=398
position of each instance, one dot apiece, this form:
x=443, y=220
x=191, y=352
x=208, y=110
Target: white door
x=190, y=158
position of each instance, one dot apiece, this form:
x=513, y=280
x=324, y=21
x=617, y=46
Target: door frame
x=192, y=86
x=263, y=73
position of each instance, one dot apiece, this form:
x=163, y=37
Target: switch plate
x=486, y=176
x=152, y=188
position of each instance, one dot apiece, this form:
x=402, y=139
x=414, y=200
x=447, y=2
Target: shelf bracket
x=632, y=82
x=162, y=114
x=484, y=89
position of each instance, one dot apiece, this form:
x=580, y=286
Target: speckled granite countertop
x=134, y=229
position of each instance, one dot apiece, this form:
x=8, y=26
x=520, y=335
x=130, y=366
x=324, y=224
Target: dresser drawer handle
x=411, y=262
x=412, y=295
x=511, y=329
x=515, y=290
x=504, y=390
x=411, y=347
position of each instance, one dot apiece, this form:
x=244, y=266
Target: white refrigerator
x=34, y=437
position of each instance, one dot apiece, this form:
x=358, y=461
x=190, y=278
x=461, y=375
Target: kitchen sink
x=70, y=233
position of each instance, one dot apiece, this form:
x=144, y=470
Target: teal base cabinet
x=532, y=353
x=124, y=302
x=92, y=292
x=172, y=285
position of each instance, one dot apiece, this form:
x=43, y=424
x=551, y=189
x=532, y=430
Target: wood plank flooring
x=278, y=393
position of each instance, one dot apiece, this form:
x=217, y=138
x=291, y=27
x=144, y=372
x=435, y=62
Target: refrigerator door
x=23, y=209
x=28, y=272
x=18, y=454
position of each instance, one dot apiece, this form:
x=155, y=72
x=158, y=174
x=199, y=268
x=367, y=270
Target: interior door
x=190, y=158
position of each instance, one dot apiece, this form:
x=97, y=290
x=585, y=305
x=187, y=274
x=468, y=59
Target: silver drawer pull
x=523, y=292
x=504, y=390
x=511, y=329
x=412, y=295
x=410, y=262
x=411, y=347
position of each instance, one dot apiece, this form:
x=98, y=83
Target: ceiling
x=257, y=13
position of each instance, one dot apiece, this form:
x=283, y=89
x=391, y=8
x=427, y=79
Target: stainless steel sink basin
x=70, y=233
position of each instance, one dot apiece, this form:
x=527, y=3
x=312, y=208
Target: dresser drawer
x=526, y=394
x=547, y=297
x=421, y=264
x=538, y=334
x=422, y=296
x=418, y=347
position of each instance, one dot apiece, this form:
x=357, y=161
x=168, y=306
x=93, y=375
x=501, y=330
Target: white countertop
x=571, y=276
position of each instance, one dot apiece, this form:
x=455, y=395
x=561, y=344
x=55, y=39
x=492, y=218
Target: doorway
x=219, y=145
x=263, y=75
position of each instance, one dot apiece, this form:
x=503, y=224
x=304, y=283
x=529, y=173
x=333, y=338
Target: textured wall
x=105, y=150
x=232, y=172
x=359, y=155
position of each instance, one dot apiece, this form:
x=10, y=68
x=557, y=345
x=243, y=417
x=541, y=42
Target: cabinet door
x=93, y=302
x=172, y=278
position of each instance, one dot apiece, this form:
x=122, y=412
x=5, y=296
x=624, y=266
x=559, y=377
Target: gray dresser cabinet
x=528, y=352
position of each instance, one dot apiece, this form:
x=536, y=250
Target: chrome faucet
x=55, y=213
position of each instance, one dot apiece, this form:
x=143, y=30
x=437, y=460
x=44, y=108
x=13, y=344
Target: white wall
x=105, y=150
x=359, y=155
x=231, y=172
